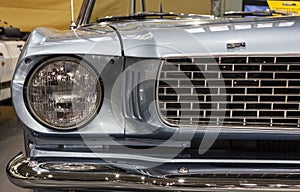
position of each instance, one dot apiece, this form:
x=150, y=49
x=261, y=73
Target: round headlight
x=64, y=93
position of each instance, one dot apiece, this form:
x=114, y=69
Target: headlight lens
x=64, y=93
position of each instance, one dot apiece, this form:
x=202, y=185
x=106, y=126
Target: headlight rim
x=53, y=59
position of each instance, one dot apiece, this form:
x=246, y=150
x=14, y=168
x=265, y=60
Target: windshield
x=104, y=8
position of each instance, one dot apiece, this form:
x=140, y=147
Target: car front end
x=160, y=102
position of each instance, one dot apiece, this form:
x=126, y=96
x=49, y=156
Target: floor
x=11, y=143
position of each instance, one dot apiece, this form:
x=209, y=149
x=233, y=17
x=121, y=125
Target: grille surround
x=245, y=92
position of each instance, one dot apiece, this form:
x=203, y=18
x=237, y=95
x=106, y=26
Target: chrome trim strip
x=32, y=174
x=38, y=153
x=237, y=54
x=84, y=13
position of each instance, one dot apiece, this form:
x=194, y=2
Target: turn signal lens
x=64, y=93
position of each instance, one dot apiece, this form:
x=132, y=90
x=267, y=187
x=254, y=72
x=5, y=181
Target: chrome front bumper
x=61, y=175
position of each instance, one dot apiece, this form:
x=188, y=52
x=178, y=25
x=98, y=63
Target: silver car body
x=131, y=52
x=152, y=40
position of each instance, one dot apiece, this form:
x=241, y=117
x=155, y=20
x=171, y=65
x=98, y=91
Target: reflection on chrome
x=110, y=177
x=181, y=181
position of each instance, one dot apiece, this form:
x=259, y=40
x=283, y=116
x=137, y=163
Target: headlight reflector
x=64, y=93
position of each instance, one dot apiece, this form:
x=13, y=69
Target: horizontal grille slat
x=230, y=91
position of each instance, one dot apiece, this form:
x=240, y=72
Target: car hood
x=46, y=41
x=163, y=38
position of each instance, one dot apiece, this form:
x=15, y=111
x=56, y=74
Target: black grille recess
x=231, y=91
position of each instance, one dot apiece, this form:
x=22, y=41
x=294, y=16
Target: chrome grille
x=230, y=91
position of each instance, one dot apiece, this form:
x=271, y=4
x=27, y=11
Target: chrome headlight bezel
x=81, y=64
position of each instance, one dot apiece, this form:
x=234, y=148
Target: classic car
x=160, y=101
x=11, y=42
